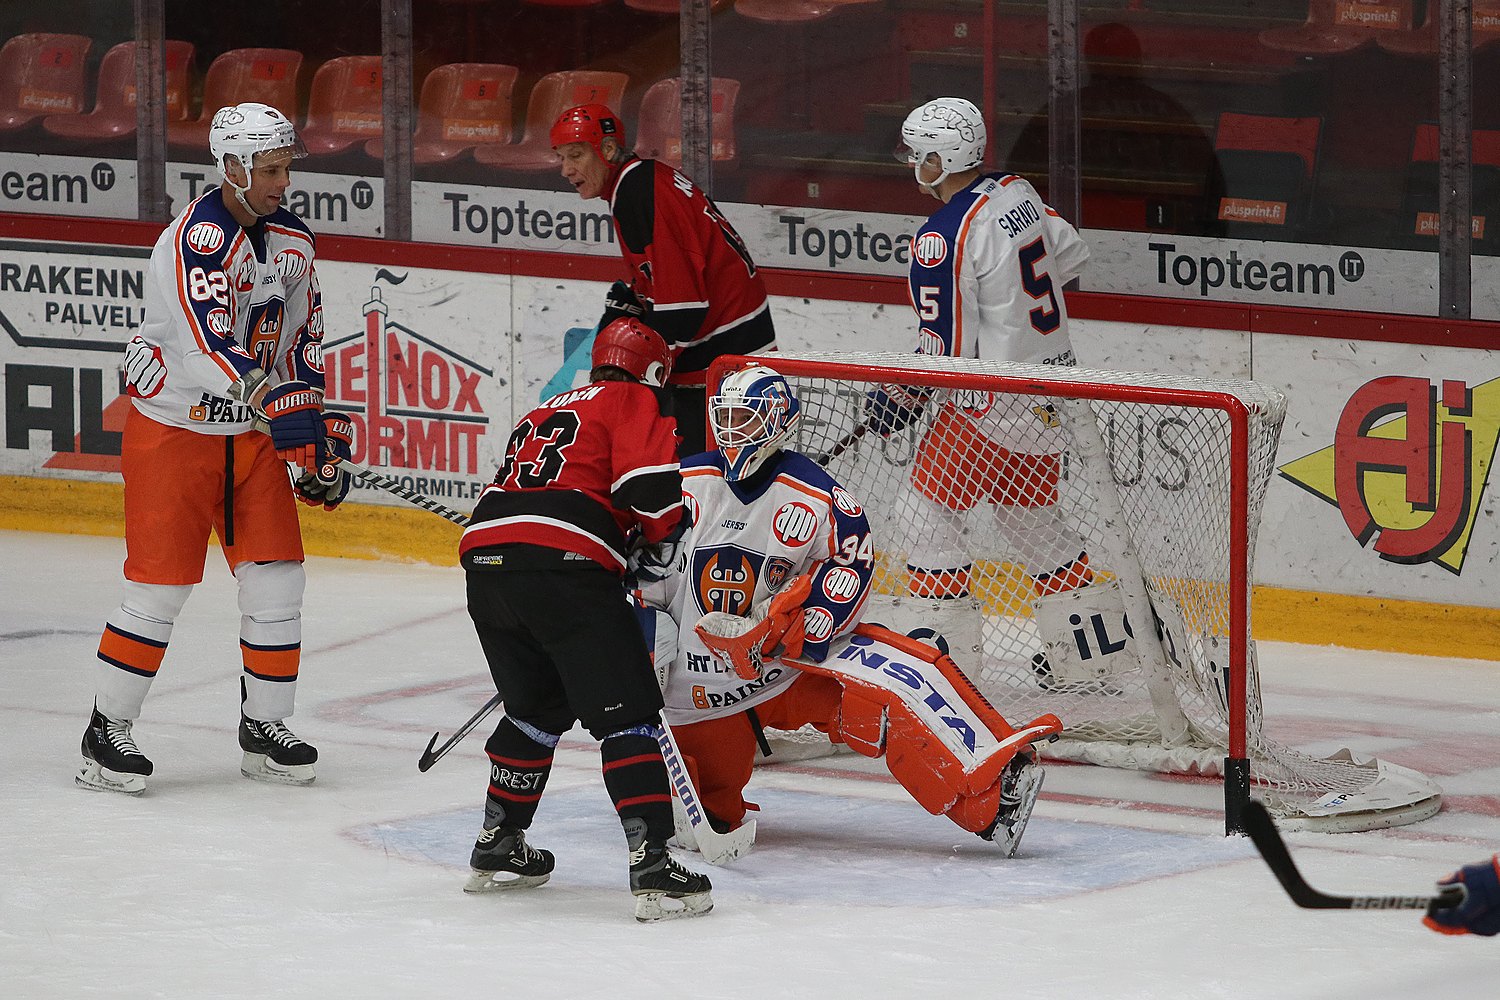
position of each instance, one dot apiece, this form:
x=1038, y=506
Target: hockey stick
x=843, y=445
x=1262, y=830
x=431, y=756
x=717, y=848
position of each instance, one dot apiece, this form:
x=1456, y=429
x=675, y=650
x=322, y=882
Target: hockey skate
x=663, y=889
x=1020, y=784
x=111, y=760
x=503, y=860
x=274, y=753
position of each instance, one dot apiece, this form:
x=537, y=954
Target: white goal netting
x=1044, y=511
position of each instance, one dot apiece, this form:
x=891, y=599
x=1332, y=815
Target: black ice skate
x=503, y=860
x=1020, y=783
x=274, y=753
x=111, y=760
x=663, y=889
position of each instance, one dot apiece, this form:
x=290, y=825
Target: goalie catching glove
x=773, y=628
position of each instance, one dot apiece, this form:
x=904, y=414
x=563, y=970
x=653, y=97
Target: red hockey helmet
x=634, y=347
x=588, y=123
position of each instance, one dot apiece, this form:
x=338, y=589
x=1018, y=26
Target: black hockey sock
x=519, y=765
x=637, y=781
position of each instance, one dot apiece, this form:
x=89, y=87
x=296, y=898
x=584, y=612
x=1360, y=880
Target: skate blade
x=1008, y=838
x=651, y=907
x=482, y=882
x=262, y=768
x=97, y=778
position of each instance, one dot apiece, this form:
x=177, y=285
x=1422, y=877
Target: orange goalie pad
x=877, y=721
x=959, y=466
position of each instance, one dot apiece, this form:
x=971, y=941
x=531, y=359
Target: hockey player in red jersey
x=232, y=335
x=691, y=277
x=759, y=630
x=589, y=490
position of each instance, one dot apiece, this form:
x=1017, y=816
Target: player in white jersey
x=986, y=281
x=760, y=631
x=232, y=336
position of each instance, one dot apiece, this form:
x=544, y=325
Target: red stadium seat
x=791, y=11
x=266, y=76
x=1424, y=40
x=463, y=105
x=41, y=74
x=552, y=95
x=1268, y=165
x=113, y=116
x=345, y=106
x=660, y=133
x=1335, y=26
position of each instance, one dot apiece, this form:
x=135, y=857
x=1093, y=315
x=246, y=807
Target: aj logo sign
x=1407, y=466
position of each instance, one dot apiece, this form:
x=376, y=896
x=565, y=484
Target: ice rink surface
x=210, y=885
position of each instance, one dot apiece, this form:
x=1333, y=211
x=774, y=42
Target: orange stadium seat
x=660, y=133
x=553, y=94
x=1268, y=165
x=41, y=74
x=463, y=105
x=345, y=106
x=1419, y=213
x=266, y=76
x=1335, y=26
x=790, y=11
x=1424, y=40
x=113, y=116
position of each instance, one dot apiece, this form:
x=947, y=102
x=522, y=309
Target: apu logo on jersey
x=205, y=237
x=291, y=264
x=928, y=342
x=974, y=402
x=726, y=576
x=219, y=322
x=312, y=355
x=929, y=249
x=817, y=624
x=841, y=585
x=794, y=524
x=845, y=502
x=691, y=504
x=777, y=572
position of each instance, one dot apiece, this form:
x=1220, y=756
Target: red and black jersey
x=689, y=268
x=582, y=471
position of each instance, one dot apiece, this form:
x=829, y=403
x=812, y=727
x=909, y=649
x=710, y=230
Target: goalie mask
x=635, y=348
x=752, y=415
x=949, y=128
x=248, y=132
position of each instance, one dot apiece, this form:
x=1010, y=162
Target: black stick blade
x=428, y=758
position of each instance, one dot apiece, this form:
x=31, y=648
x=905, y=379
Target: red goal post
x=1150, y=487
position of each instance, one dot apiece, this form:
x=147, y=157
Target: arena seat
x=1423, y=41
x=1419, y=212
x=1335, y=26
x=659, y=136
x=41, y=74
x=1268, y=164
x=553, y=94
x=345, y=106
x=266, y=76
x=463, y=105
x=113, y=116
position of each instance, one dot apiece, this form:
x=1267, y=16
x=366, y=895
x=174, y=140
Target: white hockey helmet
x=244, y=131
x=752, y=415
x=950, y=128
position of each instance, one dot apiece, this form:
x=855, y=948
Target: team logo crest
x=778, y=570
x=205, y=237
x=726, y=576
x=844, y=501
x=794, y=524
x=929, y=249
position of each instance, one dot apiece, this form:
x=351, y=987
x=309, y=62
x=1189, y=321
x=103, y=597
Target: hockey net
x=1159, y=482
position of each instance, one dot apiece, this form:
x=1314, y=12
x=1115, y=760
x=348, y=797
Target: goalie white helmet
x=950, y=128
x=752, y=415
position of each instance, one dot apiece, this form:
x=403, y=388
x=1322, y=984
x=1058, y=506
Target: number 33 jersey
x=987, y=275
x=221, y=300
x=744, y=545
x=582, y=473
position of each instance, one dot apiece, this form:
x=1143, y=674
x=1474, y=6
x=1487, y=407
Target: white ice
x=210, y=885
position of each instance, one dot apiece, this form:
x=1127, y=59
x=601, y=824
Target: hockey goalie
x=757, y=624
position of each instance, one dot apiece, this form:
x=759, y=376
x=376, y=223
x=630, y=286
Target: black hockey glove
x=620, y=301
